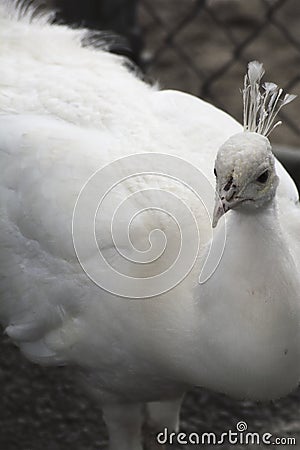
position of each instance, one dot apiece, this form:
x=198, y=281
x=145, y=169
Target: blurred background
x=201, y=47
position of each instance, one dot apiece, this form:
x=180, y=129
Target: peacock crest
x=262, y=102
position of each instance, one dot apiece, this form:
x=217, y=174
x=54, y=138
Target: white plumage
x=67, y=111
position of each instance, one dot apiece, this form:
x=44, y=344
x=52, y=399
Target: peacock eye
x=215, y=172
x=263, y=177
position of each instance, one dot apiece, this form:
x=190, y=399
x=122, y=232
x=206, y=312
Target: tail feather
x=26, y=11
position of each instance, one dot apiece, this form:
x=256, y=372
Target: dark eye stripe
x=263, y=177
x=228, y=184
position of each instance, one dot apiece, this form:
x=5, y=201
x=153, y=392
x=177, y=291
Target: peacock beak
x=219, y=210
x=225, y=201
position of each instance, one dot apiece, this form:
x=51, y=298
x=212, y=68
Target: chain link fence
x=203, y=47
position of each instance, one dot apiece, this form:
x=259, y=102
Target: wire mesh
x=203, y=46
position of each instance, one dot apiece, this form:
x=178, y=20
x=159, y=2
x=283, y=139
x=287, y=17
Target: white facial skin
x=245, y=174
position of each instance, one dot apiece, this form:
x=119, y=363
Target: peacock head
x=245, y=165
x=245, y=173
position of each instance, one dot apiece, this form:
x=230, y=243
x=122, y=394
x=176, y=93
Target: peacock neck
x=246, y=320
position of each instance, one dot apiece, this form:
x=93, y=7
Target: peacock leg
x=162, y=415
x=124, y=423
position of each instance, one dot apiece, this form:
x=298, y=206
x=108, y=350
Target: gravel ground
x=43, y=408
